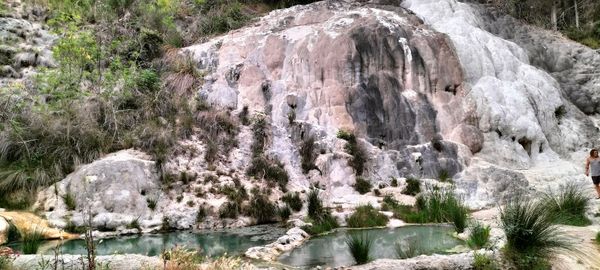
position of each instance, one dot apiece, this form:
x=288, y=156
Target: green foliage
x=261, y=209
x=224, y=18
x=444, y=176
x=359, y=245
x=13, y=233
x=531, y=237
x=229, y=210
x=434, y=206
x=293, y=201
x=307, y=155
x=352, y=147
x=72, y=228
x=568, y=206
x=588, y=36
x=134, y=224
x=151, y=203
x=413, y=186
x=597, y=238
x=69, y=201
x=362, y=186
x=409, y=249
x=479, y=237
x=319, y=216
x=201, y=215
x=284, y=213
x=271, y=171
x=484, y=262
x=31, y=242
x=394, y=182
x=366, y=216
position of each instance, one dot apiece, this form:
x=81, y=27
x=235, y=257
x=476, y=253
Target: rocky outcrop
x=292, y=238
x=24, y=43
x=115, y=191
x=27, y=223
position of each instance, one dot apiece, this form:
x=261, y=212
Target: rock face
x=371, y=68
x=433, y=262
x=29, y=223
x=115, y=190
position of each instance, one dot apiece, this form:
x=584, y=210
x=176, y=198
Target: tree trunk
x=553, y=18
x=576, y=14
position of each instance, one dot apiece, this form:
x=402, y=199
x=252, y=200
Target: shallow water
x=331, y=250
x=216, y=243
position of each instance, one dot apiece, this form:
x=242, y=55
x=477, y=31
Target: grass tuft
x=413, y=186
x=568, y=207
x=293, y=201
x=366, y=216
x=532, y=239
x=69, y=201
x=410, y=248
x=479, y=237
x=359, y=245
x=362, y=185
x=31, y=242
x=319, y=216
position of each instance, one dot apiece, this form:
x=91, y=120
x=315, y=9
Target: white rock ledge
x=292, y=238
x=121, y=262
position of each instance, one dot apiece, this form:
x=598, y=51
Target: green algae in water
x=331, y=249
x=232, y=241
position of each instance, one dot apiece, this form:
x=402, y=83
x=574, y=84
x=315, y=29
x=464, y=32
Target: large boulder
x=114, y=190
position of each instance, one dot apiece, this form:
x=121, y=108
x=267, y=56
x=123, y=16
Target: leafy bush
x=352, y=147
x=69, y=201
x=568, y=206
x=531, y=237
x=362, y=186
x=434, y=206
x=479, y=237
x=229, y=210
x=284, y=213
x=366, y=216
x=293, y=201
x=261, y=209
x=359, y=245
x=413, y=186
x=31, y=242
x=320, y=217
x=307, y=155
x=483, y=262
x=408, y=249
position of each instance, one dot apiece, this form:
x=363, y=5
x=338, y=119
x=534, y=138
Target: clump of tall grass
x=436, y=206
x=293, y=201
x=597, y=238
x=69, y=201
x=532, y=239
x=318, y=215
x=413, y=186
x=261, y=209
x=408, y=249
x=180, y=258
x=484, y=262
x=568, y=206
x=353, y=148
x=31, y=242
x=366, y=216
x=359, y=245
x=362, y=185
x=479, y=237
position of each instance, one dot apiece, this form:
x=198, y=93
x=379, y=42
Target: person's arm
x=587, y=167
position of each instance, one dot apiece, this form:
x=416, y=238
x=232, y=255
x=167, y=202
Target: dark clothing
x=596, y=179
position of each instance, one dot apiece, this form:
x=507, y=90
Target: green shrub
x=31, y=242
x=151, y=203
x=201, y=215
x=598, y=238
x=352, y=147
x=444, y=176
x=359, y=245
x=479, y=237
x=394, y=182
x=134, y=224
x=531, y=237
x=568, y=206
x=229, y=210
x=261, y=209
x=5, y=260
x=366, y=216
x=69, y=201
x=307, y=155
x=411, y=248
x=293, y=201
x=72, y=228
x=345, y=135
x=413, y=186
x=484, y=262
x=320, y=217
x=13, y=232
x=284, y=213
x=362, y=186
x=273, y=172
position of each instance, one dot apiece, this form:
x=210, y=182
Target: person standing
x=592, y=166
